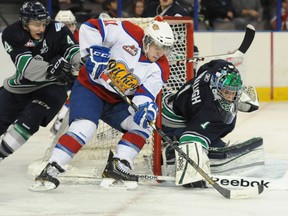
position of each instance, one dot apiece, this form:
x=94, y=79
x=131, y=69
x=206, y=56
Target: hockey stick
x=234, y=181
x=248, y=39
x=4, y=20
x=229, y=194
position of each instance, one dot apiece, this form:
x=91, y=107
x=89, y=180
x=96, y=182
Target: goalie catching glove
x=249, y=99
x=60, y=69
x=97, y=62
x=146, y=113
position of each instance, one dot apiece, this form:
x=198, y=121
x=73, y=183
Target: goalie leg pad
x=186, y=173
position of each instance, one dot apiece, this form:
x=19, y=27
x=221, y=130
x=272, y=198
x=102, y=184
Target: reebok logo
x=240, y=182
x=180, y=163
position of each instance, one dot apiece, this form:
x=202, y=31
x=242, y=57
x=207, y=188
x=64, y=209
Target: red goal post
x=187, y=39
x=88, y=164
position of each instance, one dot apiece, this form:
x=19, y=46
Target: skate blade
x=41, y=186
x=109, y=183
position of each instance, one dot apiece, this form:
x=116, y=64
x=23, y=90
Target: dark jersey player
x=45, y=54
x=202, y=112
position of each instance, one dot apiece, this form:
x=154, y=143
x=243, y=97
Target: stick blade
x=248, y=38
x=246, y=193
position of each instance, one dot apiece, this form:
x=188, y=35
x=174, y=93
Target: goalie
x=202, y=112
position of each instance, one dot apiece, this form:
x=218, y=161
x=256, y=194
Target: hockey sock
x=79, y=133
x=130, y=145
x=13, y=139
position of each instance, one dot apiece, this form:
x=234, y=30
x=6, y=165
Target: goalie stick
x=234, y=181
x=227, y=193
x=247, y=41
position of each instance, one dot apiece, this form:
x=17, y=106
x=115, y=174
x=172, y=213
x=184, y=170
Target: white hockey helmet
x=159, y=32
x=66, y=17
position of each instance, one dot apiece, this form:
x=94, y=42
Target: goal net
x=89, y=163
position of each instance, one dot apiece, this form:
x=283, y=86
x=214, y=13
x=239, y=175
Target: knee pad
x=84, y=129
x=32, y=117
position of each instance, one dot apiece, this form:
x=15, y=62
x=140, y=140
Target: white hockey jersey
x=125, y=41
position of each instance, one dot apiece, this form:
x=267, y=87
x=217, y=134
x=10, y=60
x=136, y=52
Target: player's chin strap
x=227, y=193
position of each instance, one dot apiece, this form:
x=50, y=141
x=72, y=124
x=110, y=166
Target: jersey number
x=7, y=47
x=69, y=40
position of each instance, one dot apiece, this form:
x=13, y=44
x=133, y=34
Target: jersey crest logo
x=155, y=26
x=204, y=125
x=30, y=43
x=132, y=50
x=121, y=76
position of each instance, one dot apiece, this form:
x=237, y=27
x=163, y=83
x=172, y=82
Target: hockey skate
x=47, y=180
x=117, y=174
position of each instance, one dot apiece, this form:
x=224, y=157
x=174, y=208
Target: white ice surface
x=270, y=122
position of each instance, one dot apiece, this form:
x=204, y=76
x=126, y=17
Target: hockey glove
x=249, y=99
x=60, y=69
x=147, y=113
x=97, y=62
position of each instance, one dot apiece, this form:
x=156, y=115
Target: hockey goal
x=90, y=161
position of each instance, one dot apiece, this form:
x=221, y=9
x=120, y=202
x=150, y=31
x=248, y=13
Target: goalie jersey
x=193, y=109
x=142, y=79
x=31, y=57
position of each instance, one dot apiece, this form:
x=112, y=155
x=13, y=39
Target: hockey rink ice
x=270, y=122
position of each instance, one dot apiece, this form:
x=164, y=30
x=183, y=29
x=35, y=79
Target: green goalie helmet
x=226, y=85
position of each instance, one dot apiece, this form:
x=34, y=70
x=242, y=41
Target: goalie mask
x=160, y=33
x=226, y=86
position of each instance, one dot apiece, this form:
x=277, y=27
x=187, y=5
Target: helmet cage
x=33, y=11
x=148, y=40
x=226, y=85
x=226, y=110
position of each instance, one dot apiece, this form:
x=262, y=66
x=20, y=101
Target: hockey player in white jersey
x=135, y=60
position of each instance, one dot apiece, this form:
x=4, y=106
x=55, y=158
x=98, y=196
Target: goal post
x=89, y=163
x=184, y=46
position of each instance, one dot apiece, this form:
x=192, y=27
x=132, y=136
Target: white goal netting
x=89, y=162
